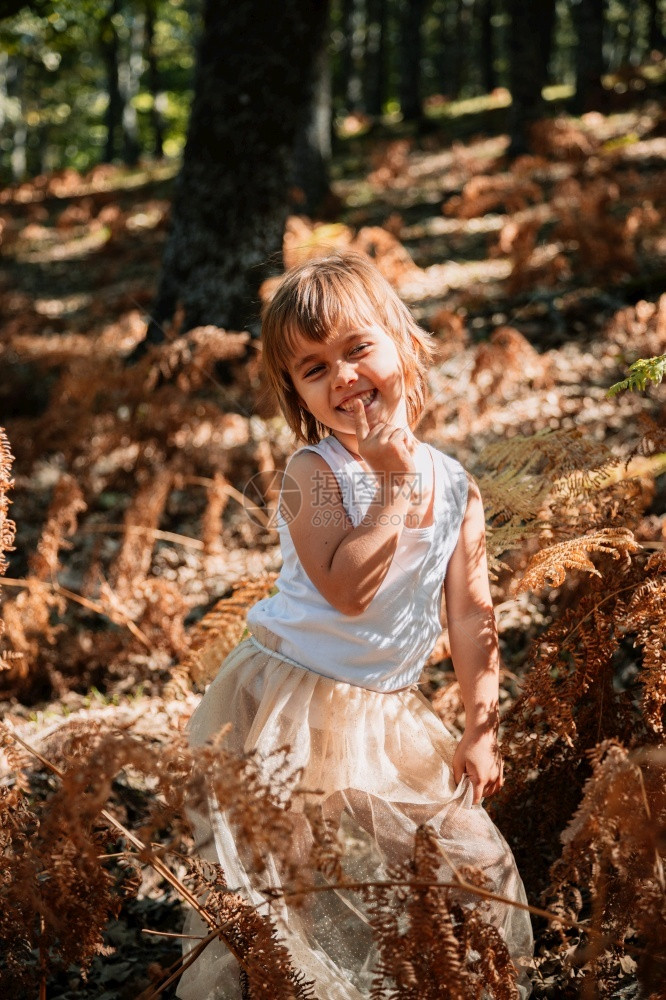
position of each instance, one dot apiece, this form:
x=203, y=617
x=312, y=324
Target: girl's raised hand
x=387, y=449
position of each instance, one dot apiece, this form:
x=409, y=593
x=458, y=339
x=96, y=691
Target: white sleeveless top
x=385, y=647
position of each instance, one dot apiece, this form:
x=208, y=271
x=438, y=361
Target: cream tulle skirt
x=383, y=763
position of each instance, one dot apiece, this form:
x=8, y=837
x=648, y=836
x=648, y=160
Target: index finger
x=361, y=421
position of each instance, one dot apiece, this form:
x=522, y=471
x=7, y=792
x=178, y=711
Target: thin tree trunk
x=312, y=156
x=546, y=34
x=461, y=49
x=375, y=56
x=345, y=64
x=110, y=55
x=230, y=200
x=356, y=28
x=410, y=68
x=129, y=78
x=447, y=62
x=631, y=33
x=528, y=64
x=656, y=40
x=488, y=74
x=18, y=158
x=150, y=59
x=588, y=18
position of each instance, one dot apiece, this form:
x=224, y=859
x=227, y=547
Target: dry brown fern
x=7, y=526
x=390, y=164
x=614, y=857
x=582, y=685
x=29, y=629
x=603, y=244
x=537, y=486
x=506, y=364
x=61, y=521
x=303, y=240
x=143, y=515
x=532, y=264
x=561, y=139
x=424, y=935
x=646, y=620
x=639, y=331
x=653, y=439
x=188, y=360
x=217, y=498
x=507, y=193
x=548, y=567
x=220, y=629
x=56, y=890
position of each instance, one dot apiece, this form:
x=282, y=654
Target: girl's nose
x=345, y=374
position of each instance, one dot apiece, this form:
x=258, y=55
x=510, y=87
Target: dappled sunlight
x=541, y=281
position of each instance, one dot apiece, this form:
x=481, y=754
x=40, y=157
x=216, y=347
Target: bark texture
x=530, y=41
x=253, y=82
x=410, y=59
x=375, y=56
x=488, y=74
x=153, y=73
x=110, y=48
x=312, y=155
x=588, y=18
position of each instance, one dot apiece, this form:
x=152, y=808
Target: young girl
x=375, y=528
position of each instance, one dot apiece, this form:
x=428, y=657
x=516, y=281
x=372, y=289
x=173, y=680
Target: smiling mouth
x=366, y=398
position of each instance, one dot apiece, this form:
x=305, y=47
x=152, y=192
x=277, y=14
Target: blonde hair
x=312, y=301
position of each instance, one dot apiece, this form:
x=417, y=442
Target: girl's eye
x=354, y=350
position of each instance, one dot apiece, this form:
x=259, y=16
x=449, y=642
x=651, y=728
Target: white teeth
x=348, y=407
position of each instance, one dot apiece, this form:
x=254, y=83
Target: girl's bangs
x=319, y=311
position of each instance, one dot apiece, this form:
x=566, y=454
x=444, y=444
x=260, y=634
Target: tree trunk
x=253, y=82
x=450, y=56
x=546, y=34
x=109, y=46
x=631, y=34
x=312, y=155
x=355, y=29
x=588, y=16
x=410, y=63
x=18, y=157
x=656, y=40
x=375, y=56
x=158, y=98
x=488, y=75
x=528, y=67
x=129, y=78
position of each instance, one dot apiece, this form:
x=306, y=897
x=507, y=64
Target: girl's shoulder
x=456, y=477
x=313, y=474
x=328, y=452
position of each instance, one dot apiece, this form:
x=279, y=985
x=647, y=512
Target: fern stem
x=596, y=607
x=6, y=581
x=156, y=533
x=42, y=960
x=146, y=854
x=555, y=918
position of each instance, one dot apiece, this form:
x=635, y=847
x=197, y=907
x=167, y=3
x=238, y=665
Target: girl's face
x=356, y=361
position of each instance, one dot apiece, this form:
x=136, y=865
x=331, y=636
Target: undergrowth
x=138, y=563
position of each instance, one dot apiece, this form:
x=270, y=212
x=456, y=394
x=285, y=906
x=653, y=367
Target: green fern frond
x=640, y=373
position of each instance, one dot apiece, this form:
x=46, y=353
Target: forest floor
x=540, y=280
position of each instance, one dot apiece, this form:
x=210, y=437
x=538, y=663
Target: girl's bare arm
x=347, y=565
x=475, y=652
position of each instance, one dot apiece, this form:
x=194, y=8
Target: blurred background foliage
x=90, y=81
